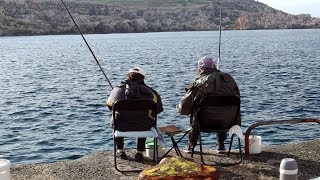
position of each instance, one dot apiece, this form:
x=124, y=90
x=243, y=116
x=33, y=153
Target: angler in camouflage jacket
x=209, y=81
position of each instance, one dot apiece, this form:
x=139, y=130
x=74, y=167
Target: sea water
x=52, y=103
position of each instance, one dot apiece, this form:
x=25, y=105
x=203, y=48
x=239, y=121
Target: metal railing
x=266, y=123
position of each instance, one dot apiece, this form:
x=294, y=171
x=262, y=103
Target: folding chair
x=125, y=126
x=226, y=105
x=171, y=131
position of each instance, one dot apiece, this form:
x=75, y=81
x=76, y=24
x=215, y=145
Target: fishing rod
x=220, y=35
x=105, y=75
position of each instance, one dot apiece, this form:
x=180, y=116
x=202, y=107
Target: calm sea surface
x=52, y=103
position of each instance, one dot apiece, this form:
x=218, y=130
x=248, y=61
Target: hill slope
x=30, y=17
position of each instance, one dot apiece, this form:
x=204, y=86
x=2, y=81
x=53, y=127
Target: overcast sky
x=295, y=6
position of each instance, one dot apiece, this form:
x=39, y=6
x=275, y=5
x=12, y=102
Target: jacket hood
x=136, y=90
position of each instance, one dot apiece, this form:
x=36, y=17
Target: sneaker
x=188, y=149
x=121, y=154
x=221, y=149
x=138, y=157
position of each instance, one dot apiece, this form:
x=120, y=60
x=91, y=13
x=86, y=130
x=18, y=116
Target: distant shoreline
x=47, y=17
x=154, y=32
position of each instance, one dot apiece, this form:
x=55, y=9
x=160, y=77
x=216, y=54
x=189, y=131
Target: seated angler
x=133, y=87
x=210, y=81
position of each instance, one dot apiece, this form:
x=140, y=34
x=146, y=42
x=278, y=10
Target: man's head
x=206, y=64
x=136, y=74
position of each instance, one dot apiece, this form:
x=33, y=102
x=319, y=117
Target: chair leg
x=165, y=154
x=192, y=150
x=115, y=154
x=201, y=153
x=240, y=151
x=222, y=164
x=179, y=153
x=175, y=146
x=115, y=159
x=185, y=133
x=230, y=144
x=155, y=150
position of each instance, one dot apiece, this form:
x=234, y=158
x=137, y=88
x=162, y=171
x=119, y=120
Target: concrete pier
x=99, y=165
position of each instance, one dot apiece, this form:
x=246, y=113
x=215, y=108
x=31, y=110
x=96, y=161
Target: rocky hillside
x=34, y=17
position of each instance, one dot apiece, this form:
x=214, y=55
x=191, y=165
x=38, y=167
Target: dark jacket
x=134, y=90
x=212, y=82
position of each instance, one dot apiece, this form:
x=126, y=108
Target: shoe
x=121, y=154
x=188, y=149
x=138, y=157
x=221, y=149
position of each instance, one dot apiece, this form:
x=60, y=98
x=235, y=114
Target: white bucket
x=255, y=145
x=5, y=169
x=150, y=151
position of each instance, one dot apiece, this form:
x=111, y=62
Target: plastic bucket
x=5, y=169
x=255, y=145
x=150, y=149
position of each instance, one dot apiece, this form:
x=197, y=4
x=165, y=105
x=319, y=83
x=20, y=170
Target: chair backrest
x=217, y=112
x=134, y=114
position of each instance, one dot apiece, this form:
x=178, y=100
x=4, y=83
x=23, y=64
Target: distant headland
x=42, y=17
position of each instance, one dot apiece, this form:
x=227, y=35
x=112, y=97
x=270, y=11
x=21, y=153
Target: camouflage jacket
x=213, y=82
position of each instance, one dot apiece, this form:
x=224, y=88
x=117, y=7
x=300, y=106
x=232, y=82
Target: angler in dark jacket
x=134, y=88
x=209, y=81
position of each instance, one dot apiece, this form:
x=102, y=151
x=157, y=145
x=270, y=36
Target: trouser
x=221, y=137
x=194, y=135
x=140, y=143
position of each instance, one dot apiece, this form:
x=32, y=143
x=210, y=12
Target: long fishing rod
x=105, y=75
x=220, y=35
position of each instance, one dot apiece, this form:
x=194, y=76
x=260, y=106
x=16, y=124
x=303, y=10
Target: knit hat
x=137, y=70
x=206, y=63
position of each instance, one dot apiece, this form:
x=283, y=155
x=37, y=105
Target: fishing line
x=220, y=35
x=105, y=75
